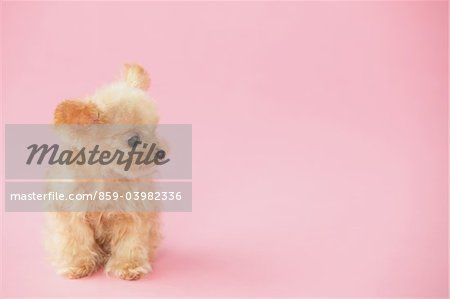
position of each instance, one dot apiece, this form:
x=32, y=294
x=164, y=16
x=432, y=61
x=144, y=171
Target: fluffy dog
x=123, y=240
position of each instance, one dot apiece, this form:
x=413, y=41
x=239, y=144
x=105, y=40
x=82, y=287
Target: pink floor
x=319, y=141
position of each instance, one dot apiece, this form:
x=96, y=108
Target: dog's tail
x=135, y=76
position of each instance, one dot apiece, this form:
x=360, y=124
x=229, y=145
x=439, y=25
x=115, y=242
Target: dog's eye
x=160, y=154
x=134, y=141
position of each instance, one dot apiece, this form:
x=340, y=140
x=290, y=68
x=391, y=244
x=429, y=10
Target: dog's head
x=119, y=116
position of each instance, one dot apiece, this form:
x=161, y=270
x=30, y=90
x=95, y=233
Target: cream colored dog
x=123, y=240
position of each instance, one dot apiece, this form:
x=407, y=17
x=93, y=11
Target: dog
x=123, y=239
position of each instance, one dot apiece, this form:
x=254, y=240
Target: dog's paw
x=128, y=270
x=77, y=271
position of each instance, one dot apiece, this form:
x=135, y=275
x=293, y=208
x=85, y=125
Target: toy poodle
x=123, y=239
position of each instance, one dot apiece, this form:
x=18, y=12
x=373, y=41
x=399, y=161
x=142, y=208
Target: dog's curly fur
x=123, y=242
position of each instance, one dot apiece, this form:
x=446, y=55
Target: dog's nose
x=134, y=141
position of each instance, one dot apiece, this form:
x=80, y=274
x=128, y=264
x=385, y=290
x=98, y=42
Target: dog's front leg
x=71, y=244
x=129, y=247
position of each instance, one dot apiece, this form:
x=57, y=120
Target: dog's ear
x=135, y=76
x=72, y=112
x=74, y=121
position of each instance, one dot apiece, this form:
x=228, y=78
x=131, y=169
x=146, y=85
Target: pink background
x=319, y=140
